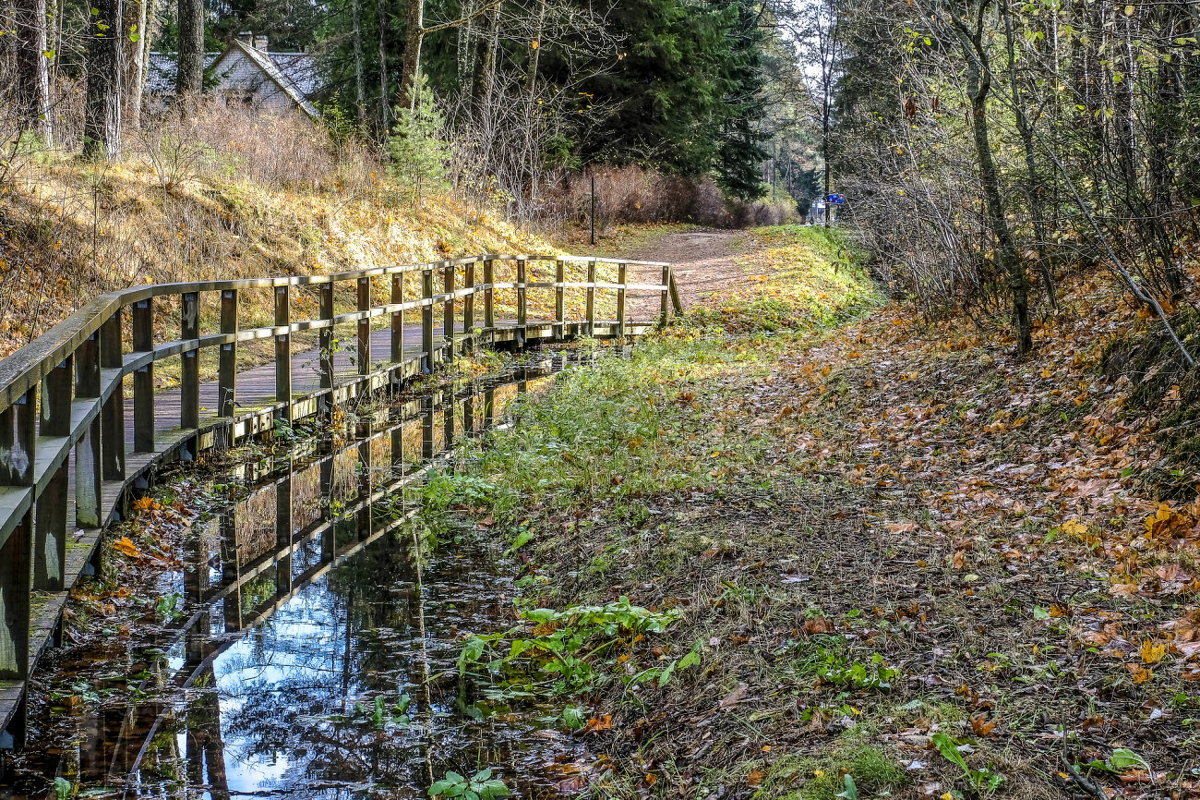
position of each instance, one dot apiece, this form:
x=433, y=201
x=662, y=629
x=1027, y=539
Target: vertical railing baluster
x=112, y=427
x=664, y=306
x=522, y=309
x=143, y=377
x=427, y=320
x=283, y=350
x=17, y=436
x=560, y=300
x=90, y=449
x=489, y=299
x=622, y=279
x=469, y=305
x=227, y=369
x=591, y=298
x=189, y=377
x=364, y=326
x=50, y=534
x=448, y=310
x=325, y=343
x=398, y=319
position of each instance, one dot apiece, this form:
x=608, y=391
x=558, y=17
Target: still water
x=314, y=649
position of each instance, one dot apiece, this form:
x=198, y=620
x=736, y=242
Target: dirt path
x=704, y=262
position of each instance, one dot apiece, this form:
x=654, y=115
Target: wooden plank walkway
x=75, y=439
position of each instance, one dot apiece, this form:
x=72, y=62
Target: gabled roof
x=266, y=63
x=161, y=70
x=294, y=73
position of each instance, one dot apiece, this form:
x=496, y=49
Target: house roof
x=161, y=70
x=294, y=73
x=266, y=62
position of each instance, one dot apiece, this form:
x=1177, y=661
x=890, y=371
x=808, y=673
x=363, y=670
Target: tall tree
x=189, y=74
x=105, y=70
x=32, y=56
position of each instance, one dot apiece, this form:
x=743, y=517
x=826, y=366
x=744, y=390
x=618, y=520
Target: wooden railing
x=67, y=462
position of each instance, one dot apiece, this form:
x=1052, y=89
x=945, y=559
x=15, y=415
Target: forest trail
x=704, y=262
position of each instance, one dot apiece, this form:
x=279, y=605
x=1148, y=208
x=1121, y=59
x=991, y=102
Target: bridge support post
x=189, y=372
x=427, y=321
x=560, y=302
x=50, y=535
x=89, y=452
x=325, y=345
x=469, y=308
x=17, y=436
x=364, y=326
x=227, y=371
x=622, y=277
x=283, y=351
x=448, y=310
x=398, y=319
x=112, y=427
x=591, y=299
x=522, y=308
x=143, y=378
x=664, y=304
x=489, y=295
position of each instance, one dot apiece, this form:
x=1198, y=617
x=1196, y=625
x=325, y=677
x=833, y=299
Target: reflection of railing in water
x=71, y=449
x=354, y=482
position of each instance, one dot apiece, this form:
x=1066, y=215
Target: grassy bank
x=844, y=561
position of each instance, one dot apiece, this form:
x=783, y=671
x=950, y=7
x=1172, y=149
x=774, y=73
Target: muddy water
x=314, y=651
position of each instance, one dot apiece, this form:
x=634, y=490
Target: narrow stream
x=315, y=651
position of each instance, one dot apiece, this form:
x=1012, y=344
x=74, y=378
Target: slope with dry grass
x=220, y=195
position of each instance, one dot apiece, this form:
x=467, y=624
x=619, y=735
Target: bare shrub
x=286, y=151
x=633, y=194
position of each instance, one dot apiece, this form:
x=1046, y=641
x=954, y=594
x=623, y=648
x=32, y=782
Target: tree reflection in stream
x=318, y=654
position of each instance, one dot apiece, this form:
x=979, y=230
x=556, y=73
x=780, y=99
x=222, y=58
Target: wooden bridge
x=82, y=425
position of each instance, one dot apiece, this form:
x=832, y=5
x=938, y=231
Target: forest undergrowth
x=863, y=555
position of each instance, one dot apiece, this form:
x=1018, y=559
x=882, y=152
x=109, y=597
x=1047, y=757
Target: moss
x=822, y=777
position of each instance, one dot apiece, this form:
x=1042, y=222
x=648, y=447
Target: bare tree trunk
x=135, y=61
x=102, y=111
x=360, y=85
x=189, y=77
x=414, y=35
x=32, y=68
x=979, y=84
x=381, y=12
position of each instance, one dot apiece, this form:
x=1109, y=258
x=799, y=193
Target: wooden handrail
x=63, y=401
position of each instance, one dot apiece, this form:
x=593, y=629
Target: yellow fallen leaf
x=125, y=545
x=1152, y=652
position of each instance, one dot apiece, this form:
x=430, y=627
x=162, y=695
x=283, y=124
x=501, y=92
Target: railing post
x=283, y=350
x=17, y=436
x=522, y=308
x=622, y=279
x=143, y=378
x=448, y=310
x=364, y=326
x=427, y=320
x=227, y=369
x=489, y=296
x=398, y=319
x=664, y=306
x=189, y=377
x=469, y=306
x=325, y=344
x=50, y=534
x=112, y=427
x=591, y=298
x=560, y=300
x=427, y=428
x=90, y=462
